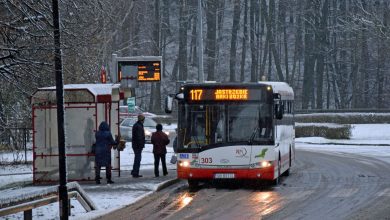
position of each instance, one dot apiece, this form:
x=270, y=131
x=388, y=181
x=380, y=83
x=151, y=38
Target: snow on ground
x=15, y=174
x=371, y=140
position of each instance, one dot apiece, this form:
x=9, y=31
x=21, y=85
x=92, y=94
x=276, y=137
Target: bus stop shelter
x=86, y=106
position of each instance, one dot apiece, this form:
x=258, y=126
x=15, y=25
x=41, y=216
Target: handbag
x=173, y=159
x=121, y=145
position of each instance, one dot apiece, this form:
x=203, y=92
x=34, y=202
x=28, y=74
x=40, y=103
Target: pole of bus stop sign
x=63, y=190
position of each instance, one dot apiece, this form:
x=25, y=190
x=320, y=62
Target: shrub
x=344, y=118
x=326, y=130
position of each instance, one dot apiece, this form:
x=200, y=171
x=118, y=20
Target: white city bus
x=235, y=131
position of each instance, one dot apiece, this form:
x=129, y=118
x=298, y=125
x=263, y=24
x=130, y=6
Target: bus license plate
x=224, y=176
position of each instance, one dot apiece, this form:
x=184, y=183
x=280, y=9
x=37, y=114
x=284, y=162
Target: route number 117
x=196, y=94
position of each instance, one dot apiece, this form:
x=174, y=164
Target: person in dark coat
x=104, y=142
x=160, y=141
x=138, y=144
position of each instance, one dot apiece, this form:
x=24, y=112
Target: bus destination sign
x=222, y=94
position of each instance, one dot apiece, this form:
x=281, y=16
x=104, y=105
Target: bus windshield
x=226, y=123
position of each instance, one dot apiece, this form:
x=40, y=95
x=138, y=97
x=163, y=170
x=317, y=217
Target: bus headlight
x=265, y=164
x=147, y=132
x=184, y=163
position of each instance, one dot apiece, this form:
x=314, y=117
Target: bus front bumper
x=223, y=173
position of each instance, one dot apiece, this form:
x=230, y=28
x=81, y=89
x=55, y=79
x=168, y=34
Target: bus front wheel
x=193, y=184
x=277, y=179
x=287, y=172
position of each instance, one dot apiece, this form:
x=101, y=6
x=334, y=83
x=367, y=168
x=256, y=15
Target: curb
x=166, y=184
x=160, y=187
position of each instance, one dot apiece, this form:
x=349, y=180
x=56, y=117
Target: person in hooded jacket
x=160, y=141
x=104, y=142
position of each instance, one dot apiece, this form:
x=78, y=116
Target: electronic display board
x=142, y=71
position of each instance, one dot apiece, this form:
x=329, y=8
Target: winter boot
x=109, y=181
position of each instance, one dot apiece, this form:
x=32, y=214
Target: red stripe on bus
x=197, y=173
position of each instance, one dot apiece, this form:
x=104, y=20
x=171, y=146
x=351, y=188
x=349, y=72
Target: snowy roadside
x=371, y=140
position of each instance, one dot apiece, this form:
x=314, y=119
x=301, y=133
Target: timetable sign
x=149, y=72
x=141, y=71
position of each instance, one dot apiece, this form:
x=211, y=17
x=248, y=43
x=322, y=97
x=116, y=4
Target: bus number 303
x=206, y=160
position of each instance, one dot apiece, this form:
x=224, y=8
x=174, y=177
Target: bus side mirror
x=168, y=104
x=169, y=101
x=279, y=111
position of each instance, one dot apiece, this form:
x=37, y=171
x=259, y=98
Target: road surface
x=320, y=186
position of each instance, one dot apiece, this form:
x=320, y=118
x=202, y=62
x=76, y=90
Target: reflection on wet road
x=185, y=200
x=266, y=202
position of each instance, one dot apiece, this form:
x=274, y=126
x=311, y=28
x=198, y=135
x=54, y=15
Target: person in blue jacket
x=104, y=142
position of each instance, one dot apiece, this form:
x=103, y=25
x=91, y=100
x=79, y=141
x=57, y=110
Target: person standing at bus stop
x=138, y=144
x=104, y=142
x=160, y=141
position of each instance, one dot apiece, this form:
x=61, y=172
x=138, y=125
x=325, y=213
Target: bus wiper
x=253, y=135
x=196, y=141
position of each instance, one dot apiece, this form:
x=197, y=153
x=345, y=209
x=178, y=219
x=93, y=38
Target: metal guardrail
x=44, y=197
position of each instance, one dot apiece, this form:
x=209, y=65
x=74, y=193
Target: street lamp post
x=63, y=190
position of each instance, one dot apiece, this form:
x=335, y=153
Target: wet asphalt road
x=320, y=186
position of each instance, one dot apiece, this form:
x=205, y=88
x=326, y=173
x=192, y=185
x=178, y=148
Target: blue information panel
x=131, y=104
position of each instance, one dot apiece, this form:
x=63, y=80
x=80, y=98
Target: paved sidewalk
x=127, y=181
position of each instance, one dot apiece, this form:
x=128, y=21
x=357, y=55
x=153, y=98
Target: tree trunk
x=354, y=73
x=219, y=44
x=321, y=42
x=298, y=47
x=285, y=38
x=194, y=45
x=236, y=20
x=183, y=26
x=266, y=43
x=253, y=40
x=155, y=98
x=382, y=50
x=193, y=22
x=307, y=90
x=211, y=17
x=165, y=33
x=243, y=55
